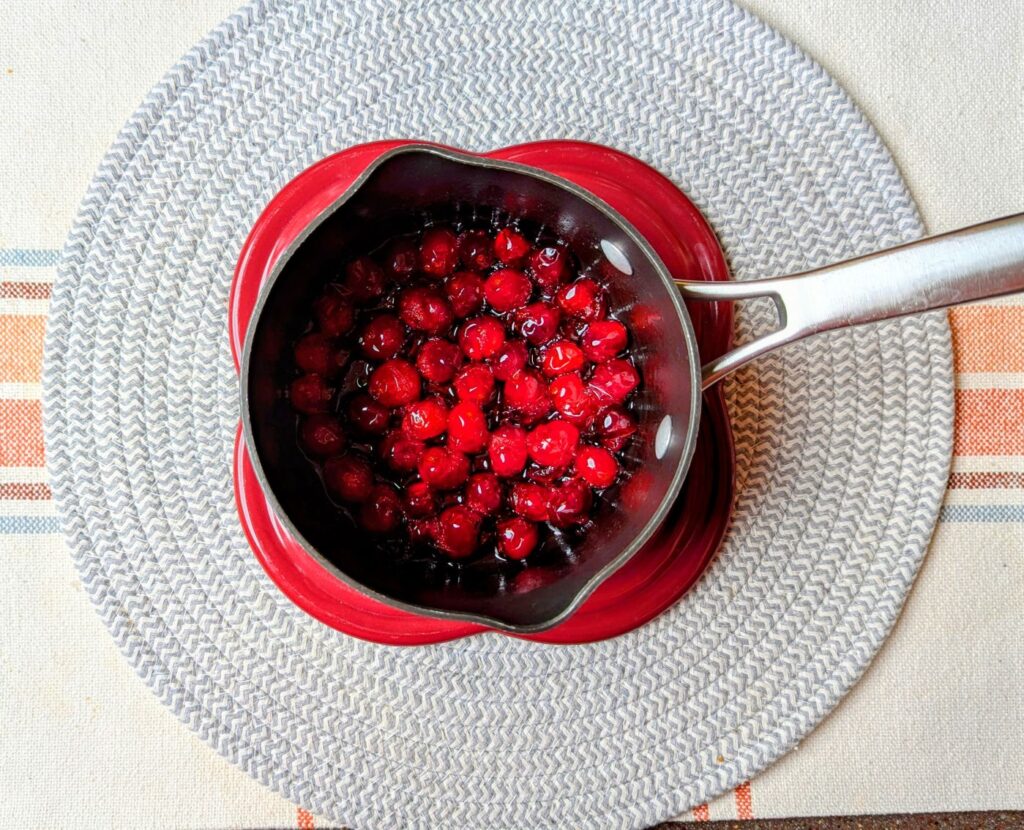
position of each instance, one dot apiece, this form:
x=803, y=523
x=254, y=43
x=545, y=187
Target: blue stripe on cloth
x=982, y=513
x=29, y=524
x=29, y=257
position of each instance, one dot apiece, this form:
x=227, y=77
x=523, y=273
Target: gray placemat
x=842, y=444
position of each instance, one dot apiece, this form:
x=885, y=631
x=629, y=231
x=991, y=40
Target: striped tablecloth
x=937, y=721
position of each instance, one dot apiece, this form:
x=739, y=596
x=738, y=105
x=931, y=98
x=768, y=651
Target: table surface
x=937, y=722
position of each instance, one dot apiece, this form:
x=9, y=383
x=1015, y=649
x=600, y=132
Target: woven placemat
x=843, y=443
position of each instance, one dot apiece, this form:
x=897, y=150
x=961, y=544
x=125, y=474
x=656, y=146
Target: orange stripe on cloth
x=21, y=434
x=989, y=422
x=23, y=491
x=25, y=290
x=21, y=348
x=987, y=338
x=304, y=819
x=986, y=481
x=744, y=806
x=701, y=813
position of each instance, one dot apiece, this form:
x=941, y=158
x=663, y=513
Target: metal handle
x=975, y=263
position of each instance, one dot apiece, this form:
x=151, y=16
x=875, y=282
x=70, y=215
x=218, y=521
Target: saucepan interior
x=404, y=190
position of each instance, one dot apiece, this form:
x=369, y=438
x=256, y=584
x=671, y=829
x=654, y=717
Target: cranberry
x=481, y=337
x=395, y=383
x=507, y=289
x=544, y=475
x=476, y=250
x=550, y=266
x=401, y=453
x=510, y=246
x=562, y=356
x=475, y=384
x=507, y=450
x=333, y=311
x=612, y=382
x=419, y=500
x=348, y=477
x=596, y=466
x=368, y=416
x=484, y=493
x=458, y=531
x=438, y=360
x=512, y=357
x=525, y=392
x=382, y=337
x=321, y=435
x=425, y=309
x=314, y=353
x=438, y=252
x=382, y=511
x=553, y=443
x=530, y=501
x=465, y=292
x=603, y=340
x=401, y=258
x=572, y=399
x=614, y=427
x=311, y=393
x=443, y=469
x=425, y=419
x=584, y=299
x=365, y=280
x=517, y=538
x=538, y=322
x=422, y=531
x=467, y=428
x=570, y=503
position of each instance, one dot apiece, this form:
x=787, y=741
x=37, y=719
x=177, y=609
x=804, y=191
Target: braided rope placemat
x=843, y=443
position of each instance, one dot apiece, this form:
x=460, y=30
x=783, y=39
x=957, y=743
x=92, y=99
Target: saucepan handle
x=974, y=263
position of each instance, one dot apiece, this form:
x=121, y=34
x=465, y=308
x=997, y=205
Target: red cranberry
x=438, y=252
x=365, y=280
x=572, y=399
x=333, y=311
x=382, y=337
x=484, y=493
x=512, y=357
x=538, y=322
x=425, y=419
x=507, y=289
x=517, y=538
x=321, y=435
x=368, y=416
x=525, y=393
x=550, y=266
x=401, y=258
x=603, y=340
x=348, y=477
x=476, y=250
x=382, y=511
x=395, y=383
x=475, y=384
x=596, y=466
x=481, y=337
x=465, y=292
x=570, y=503
x=458, y=531
x=419, y=500
x=612, y=382
x=314, y=353
x=438, y=360
x=467, y=428
x=425, y=309
x=422, y=531
x=615, y=427
x=544, y=475
x=401, y=453
x=443, y=469
x=553, y=444
x=562, y=356
x=584, y=299
x=510, y=246
x=530, y=501
x=507, y=450
x=310, y=394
